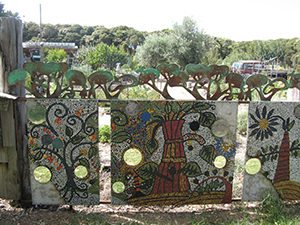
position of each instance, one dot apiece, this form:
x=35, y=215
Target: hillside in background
x=217, y=50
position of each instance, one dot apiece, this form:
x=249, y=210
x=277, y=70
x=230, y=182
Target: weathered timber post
x=11, y=58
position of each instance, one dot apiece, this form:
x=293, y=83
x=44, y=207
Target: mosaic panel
x=172, y=152
x=273, y=151
x=62, y=145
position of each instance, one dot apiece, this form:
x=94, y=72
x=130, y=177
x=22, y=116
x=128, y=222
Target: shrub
x=104, y=134
x=242, y=122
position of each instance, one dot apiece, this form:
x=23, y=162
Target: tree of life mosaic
x=273, y=151
x=62, y=145
x=172, y=152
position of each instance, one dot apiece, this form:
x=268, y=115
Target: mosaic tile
x=62, y=145
x=273, y=151
x=172, y=152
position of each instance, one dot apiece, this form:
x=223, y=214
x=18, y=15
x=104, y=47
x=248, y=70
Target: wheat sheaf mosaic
x=62, y=147
x=172, y=152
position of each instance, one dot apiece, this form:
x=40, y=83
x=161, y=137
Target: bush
x=104, y=134
x=55, y=55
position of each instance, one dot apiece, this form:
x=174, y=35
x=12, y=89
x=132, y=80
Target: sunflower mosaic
x=273, y=151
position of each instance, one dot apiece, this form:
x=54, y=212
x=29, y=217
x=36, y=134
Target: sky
x=239, y=20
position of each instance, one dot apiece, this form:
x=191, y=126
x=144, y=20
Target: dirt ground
x=108, y=214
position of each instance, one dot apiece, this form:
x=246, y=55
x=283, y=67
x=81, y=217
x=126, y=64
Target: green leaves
x=208, y=153
x=92, y=152
x=103, y=55
x=17, y=76
x=148, y=170
x=168, y=107
x=101, y=77
x=56, y=55
x=119, y=137
x=170, y=69
x=207, y=119
x=151, y=146
x=77, y=139
x=291, y=125
x=196, y=69
x=201, y=106
x=38, y=155
x=69, y=131
x=191, y=169
x=84, y=162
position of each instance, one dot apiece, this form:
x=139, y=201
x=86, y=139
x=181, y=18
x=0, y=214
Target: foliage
x=31, y=31
x=156, y=49
x=104, y=134
x=7, y=13
x=86, y=69
x=242, y=122
x=102, y=56
x=274, y=208
x=55, y=55
x=183, y=45
x=121, y=36
x=190, y=43
x=140, y=92
x=286, y=51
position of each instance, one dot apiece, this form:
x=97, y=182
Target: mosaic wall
x=273, y=151
x=62, y=145
x=172, y=152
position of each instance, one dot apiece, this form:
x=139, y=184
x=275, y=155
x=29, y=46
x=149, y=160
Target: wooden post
x=11, y=57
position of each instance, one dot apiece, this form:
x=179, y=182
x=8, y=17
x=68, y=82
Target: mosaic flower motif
x=263, y=124
x=224, y=148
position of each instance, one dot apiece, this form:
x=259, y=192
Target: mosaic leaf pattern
x=62, y=135
x=163, y=152
x=274, y=140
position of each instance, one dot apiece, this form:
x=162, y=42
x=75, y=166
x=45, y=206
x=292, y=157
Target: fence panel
x=172, y=152
x=62, y=145
x=273, y=151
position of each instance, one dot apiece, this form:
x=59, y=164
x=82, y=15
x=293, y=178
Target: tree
x=30, y=30
x=156, y=49
x=190, y=43
x=100, y=34
x=49, y=33
x=183, y=45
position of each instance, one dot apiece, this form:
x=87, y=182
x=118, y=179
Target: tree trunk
x=170, y=179
x=283, y=165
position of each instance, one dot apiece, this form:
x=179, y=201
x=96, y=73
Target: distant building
x=32, y=51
